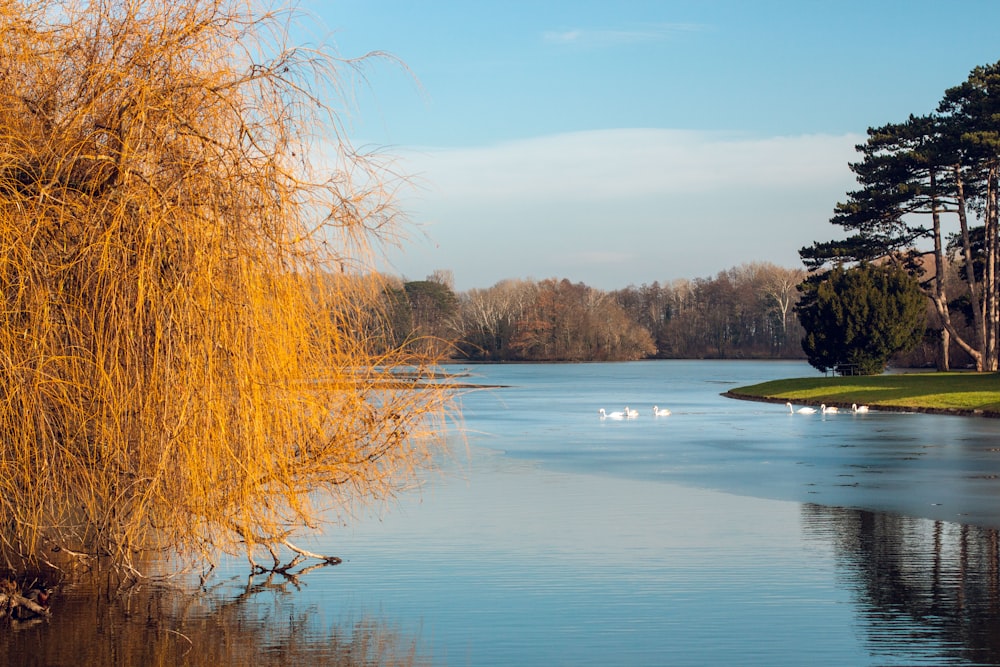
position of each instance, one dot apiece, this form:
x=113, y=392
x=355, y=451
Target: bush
x=855, y=319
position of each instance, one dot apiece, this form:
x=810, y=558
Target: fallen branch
x=329, y=560
x=300, y=556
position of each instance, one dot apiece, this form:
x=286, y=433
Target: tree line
x=743, y=312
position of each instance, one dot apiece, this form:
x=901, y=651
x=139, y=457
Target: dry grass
x=175, y=276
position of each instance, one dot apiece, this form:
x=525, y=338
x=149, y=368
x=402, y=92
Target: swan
x=832, y=409
x=611, y=415
x=630, y=413
x=805, y=410
x=858, y=408
x=657, y=412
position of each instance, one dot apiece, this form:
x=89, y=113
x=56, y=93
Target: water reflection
x=103, y=621
x=933, y=582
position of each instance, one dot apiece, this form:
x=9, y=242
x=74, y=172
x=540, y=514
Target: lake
x=728, y=533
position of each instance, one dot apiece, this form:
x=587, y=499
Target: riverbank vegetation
x=184, y=369
x=960, y=393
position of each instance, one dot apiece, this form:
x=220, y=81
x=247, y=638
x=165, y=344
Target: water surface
x=729, y=533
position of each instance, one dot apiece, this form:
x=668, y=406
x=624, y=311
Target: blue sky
x=623, y=142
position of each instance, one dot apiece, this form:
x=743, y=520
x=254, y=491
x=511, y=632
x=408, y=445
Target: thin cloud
x=611, y=164
x=653, y=32
x=592, y=257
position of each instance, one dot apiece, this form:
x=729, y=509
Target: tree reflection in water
x=110, y=622
x=931, y=580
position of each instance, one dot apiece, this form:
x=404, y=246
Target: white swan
x=858, y=408
x=805, y=410
x=832, y=409
x=658, y=412
x=630, y=413
x=611, y=415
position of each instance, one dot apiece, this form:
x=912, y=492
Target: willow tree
x=183, y=365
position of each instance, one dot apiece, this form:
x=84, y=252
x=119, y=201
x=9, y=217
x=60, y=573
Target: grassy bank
x=956, y=393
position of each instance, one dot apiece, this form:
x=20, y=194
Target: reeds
x=182, y=226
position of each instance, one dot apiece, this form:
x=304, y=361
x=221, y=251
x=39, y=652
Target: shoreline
x=955, y=412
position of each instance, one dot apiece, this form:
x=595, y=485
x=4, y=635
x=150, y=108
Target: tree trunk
x=975, y=296
x=944, y=355
x=990, y=272
x=940, y=296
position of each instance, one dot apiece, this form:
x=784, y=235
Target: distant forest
x=746, y=312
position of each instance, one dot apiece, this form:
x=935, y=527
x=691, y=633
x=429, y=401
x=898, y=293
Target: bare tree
x=778, y=290
x=489, y=317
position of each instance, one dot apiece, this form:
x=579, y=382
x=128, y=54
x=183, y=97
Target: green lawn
x=958, y=392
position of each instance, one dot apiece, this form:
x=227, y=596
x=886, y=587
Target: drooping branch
x=181, y=349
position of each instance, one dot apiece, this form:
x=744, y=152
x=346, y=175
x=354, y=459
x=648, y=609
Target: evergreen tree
x=857, y=318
